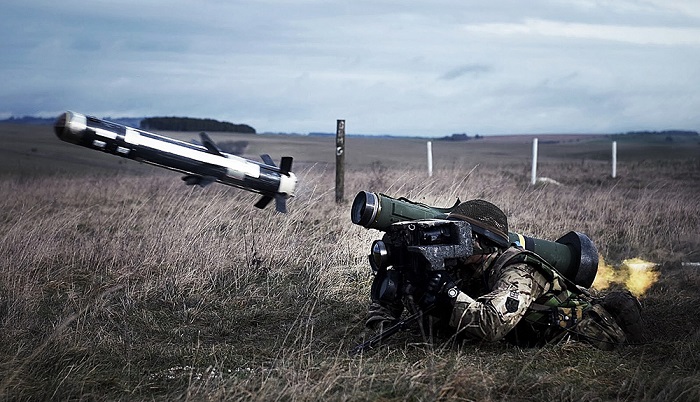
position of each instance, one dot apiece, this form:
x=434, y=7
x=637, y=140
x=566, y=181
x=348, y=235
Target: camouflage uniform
x=523, y=300
x=507, y=301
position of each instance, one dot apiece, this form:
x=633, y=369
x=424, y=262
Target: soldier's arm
x=491, y=316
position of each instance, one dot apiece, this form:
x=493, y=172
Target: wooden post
x=534, y=161
x=339, y=160
x=430, y=159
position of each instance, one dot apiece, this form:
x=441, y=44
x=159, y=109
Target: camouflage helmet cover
x=486, y=219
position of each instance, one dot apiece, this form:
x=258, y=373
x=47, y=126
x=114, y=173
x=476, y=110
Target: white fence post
x=534, y=161
x=614, y=159
x=430, y=159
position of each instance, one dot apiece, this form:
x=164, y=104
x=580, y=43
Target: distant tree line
x=192, y=124
x=665, y=132
x=29, y=120
x=460, y=137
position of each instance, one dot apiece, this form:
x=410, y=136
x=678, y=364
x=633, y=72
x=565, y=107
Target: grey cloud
x=469, y=69
x=385, y=65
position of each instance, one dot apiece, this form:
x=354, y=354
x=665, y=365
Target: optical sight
x=574, y=255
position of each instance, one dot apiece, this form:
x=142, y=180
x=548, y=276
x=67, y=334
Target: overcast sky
x=402, y=67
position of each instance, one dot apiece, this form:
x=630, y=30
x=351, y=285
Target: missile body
x=201, y=164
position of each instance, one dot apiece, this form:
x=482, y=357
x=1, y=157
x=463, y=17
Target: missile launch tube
x=379, y=211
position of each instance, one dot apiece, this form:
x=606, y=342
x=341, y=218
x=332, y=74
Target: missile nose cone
x=69, y=127
x=60, y=124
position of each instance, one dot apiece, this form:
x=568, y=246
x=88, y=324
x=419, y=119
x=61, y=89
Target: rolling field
x=118, y=282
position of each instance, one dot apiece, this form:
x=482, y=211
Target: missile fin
x=280, y=203
x=286, y=164
x=268, y=160
x=201, y=181
x=262, y=202
x=210, y=145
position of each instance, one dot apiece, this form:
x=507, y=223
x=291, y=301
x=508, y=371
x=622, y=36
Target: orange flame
x=635, y=274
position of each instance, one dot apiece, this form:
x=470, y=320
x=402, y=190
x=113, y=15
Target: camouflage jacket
x=498, y=294
x=514, y=294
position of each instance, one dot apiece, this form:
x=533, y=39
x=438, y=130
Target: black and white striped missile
x=202, y=164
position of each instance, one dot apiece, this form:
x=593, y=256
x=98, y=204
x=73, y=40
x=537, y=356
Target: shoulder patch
x=512, y=302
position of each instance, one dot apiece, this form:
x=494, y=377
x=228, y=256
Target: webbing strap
x=558, y=306
x=559, y=309
x=529, y=257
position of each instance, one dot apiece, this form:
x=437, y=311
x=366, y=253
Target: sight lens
x=380, y=254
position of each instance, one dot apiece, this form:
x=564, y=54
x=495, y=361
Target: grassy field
x=117, y=282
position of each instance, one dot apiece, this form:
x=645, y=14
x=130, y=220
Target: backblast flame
x=641, y=275
x=635, y=274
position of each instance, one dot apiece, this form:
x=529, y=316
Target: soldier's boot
x=627, y=312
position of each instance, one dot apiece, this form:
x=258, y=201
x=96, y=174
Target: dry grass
x=135, y=287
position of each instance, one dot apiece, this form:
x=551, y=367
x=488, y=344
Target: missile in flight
x=202, y=164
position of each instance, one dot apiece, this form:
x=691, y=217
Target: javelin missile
x=201, y=164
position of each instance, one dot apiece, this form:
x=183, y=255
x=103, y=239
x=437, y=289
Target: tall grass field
x=118, y=282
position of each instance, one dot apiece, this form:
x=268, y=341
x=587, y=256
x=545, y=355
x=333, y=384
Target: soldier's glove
x=440, y=286
x=380, y=316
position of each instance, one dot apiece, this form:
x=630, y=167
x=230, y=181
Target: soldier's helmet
x=486, y=219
